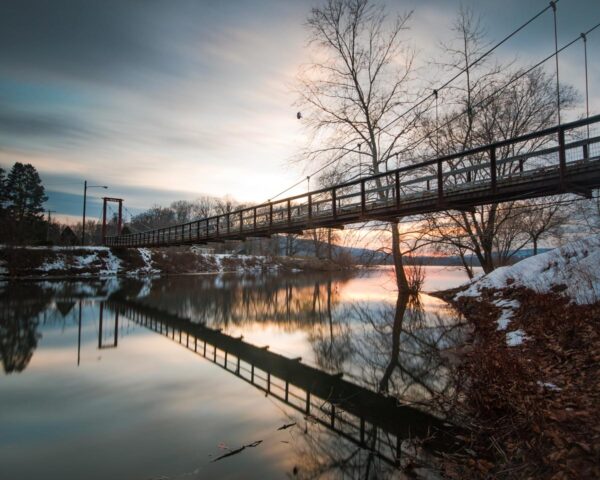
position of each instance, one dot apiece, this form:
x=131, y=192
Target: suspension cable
x=553, y=5
x=431, y=95
x=416, y=143
x=587, y=93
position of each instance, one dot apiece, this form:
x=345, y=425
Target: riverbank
x=530, y=378
x=98, y=262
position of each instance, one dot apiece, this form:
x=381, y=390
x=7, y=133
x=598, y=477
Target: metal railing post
x=562, y=157
x=333, y=203
x=440, y=182
x=363, y=199
x=493, y=169
x=397, y=188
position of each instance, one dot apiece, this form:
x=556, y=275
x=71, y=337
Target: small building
x=68, y=237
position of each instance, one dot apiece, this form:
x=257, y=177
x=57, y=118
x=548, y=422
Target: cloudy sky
x=167, y=100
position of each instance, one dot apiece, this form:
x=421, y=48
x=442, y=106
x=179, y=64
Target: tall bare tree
x=352, y=95
x=484, y=112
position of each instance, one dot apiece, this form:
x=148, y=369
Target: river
x=221, y=376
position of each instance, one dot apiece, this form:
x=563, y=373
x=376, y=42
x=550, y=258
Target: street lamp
x=85, y=187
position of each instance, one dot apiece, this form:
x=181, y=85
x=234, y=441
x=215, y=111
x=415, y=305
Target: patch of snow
x=504, y=319
x=57, y=264
x=508, y=309
x=549, y=386
x=148, y=268
x=515, y=338
x=86, y=260
x=575, y=265
x=112, y=264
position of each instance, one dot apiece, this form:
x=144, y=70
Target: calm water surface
x=158, y=378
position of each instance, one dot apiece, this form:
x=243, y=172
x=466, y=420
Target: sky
x=166, y=100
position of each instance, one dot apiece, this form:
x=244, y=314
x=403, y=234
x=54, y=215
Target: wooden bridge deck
x=561, y=159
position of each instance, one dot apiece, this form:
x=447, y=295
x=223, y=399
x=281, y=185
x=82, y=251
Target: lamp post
x=85, y=188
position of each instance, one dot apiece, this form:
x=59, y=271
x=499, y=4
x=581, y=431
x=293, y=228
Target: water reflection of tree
x=331, y=339
x=20, y=308
x=395, y=349
x=292, y=302
x=400, y=350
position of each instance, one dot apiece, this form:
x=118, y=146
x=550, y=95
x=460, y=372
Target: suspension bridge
x=561, y=159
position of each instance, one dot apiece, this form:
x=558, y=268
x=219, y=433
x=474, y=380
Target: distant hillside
x=306, y=248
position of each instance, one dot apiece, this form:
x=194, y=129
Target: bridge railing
x=551, y=152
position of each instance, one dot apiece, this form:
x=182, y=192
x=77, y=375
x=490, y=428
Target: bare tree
x=587, y=213
x=485, y=112
x=352, y=95
x=540, y=220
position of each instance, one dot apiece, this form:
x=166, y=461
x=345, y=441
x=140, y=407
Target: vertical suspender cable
x=587, y=92
x=553, y=5
x=437, y=124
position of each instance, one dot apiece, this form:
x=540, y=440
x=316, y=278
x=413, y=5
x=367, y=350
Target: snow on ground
x=507, y=308
x=57, y=264
x=148, y=268
x=111, y=264
x=575, y=265
x=515, y=338
x=549, y=386
x=247, y=263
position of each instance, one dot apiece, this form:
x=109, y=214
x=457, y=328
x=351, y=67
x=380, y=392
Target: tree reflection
x=20, y=308
x=292, y=302
x=331, y=339
x=396, y=349
x=401, y=350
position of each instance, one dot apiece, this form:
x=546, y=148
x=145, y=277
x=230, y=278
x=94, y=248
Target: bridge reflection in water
x=368, y=419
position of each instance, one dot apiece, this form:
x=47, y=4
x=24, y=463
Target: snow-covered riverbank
x=52, y=262
x=529, y=379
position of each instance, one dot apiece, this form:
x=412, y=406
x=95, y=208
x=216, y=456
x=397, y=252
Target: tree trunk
x=466, y=266
x=488, y=263
x=401, y=279
x=535, y=245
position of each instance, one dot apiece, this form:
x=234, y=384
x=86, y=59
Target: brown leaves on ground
x=533, y=409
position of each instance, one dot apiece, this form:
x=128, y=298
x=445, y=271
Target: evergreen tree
x=25, y=196
x=25, y=193
x=3, y=194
